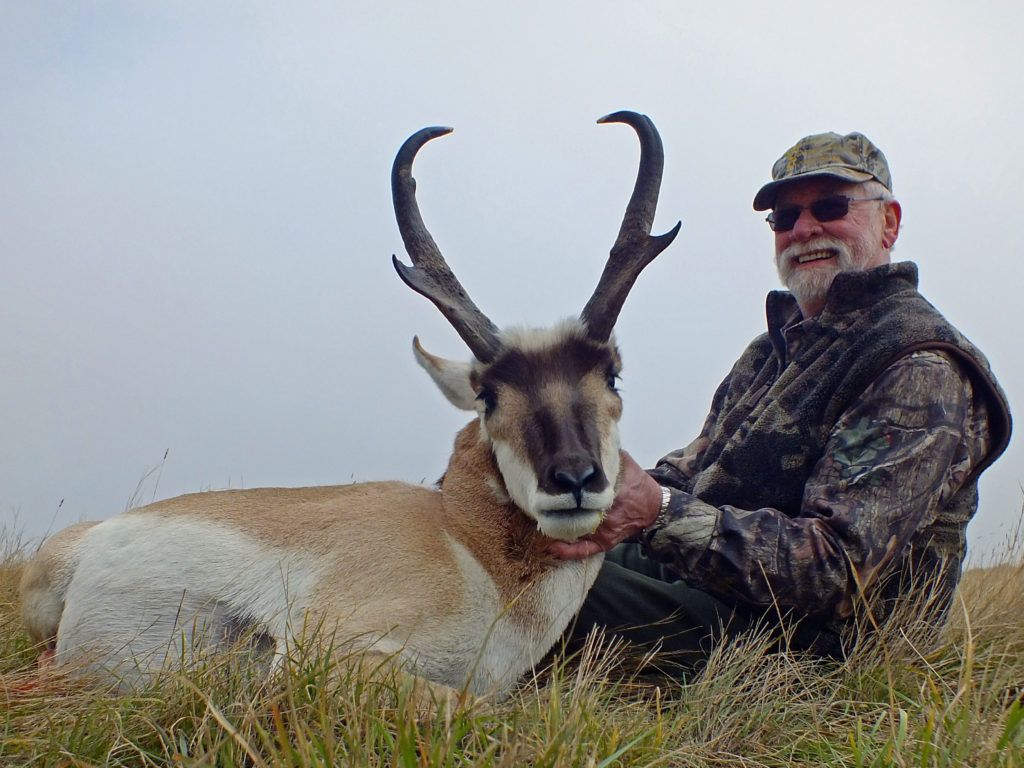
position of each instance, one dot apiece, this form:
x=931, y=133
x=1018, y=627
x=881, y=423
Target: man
x=838, y=466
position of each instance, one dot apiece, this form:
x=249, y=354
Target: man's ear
x=891, y=226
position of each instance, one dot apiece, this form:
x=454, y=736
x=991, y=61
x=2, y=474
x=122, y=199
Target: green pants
x=643, y=602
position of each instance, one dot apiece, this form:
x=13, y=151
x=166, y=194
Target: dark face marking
x=567, y=361
x=556, y=403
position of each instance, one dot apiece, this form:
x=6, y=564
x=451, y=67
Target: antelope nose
x=573, y=479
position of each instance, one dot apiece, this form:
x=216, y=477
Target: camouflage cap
x=851, y=157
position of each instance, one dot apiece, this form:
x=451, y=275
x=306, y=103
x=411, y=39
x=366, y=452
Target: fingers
x=565, y=550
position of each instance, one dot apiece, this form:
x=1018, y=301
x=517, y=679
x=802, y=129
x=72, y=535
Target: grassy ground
x=959, y=705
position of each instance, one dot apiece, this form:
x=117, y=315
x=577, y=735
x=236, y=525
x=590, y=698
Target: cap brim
x=765, y=197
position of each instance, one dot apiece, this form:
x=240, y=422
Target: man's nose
x=806, y=226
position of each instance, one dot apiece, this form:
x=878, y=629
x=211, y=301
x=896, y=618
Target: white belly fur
x=137, y=597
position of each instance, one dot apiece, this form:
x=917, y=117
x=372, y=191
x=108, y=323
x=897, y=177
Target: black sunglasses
x=827, y=209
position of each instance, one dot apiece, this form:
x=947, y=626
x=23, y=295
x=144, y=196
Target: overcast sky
x=196, y=225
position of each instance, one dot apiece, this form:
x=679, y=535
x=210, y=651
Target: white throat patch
x=557, y=515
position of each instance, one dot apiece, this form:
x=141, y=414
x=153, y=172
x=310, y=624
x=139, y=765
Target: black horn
x=634, y=248
x=430, y=274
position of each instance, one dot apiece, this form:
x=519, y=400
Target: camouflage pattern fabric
x=851, y=157
x=840, y=457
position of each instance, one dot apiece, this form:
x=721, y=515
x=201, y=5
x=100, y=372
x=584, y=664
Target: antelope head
x=546, y=399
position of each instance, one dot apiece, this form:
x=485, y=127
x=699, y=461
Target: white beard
x=810, y=285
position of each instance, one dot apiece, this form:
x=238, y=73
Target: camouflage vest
x=775, y=415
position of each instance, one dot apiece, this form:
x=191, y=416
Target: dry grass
x=956, y=705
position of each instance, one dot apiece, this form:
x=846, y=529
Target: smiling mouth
x=806, y=258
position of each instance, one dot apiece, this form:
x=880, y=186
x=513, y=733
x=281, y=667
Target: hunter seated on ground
x=841, y=455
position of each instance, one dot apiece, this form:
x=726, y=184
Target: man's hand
x=635, y=507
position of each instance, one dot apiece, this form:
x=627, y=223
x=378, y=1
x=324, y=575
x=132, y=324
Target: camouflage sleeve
x=895, y=455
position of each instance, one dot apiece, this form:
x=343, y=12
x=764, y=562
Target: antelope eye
x=486, y=396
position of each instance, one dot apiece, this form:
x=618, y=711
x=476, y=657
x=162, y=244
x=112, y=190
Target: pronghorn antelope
x=453, y=584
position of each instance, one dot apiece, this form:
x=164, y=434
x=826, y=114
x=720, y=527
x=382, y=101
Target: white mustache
x=796, y=250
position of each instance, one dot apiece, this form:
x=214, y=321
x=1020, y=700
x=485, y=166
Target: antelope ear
x=450, y=376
